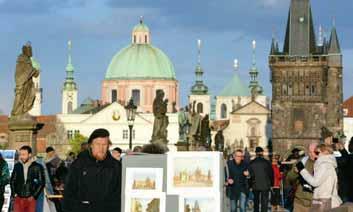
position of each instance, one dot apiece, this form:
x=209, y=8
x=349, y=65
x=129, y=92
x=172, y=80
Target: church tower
x=254, y=73
x=37, y=106
x=199, y=91
x=306, y=82
x=69, y=91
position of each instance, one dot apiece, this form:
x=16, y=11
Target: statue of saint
x=195, y=125
x=219, y=141
x=205, y=139
x=25, y=91
x=183, y=121
x=161, y=121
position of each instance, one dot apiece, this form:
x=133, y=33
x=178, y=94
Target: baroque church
x=306, y=79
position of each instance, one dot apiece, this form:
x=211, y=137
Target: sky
x=100, y=28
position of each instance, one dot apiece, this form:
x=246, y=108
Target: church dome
x=140, y=60
x=235, y=87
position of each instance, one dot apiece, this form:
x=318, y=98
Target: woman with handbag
x=324, y=180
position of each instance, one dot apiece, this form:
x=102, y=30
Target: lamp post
x=130, y=115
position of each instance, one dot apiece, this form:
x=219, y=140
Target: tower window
x=284, y=89
x=307, y=90
x=313, y=90
x=114, y=95
x=290, y=89
x=69, y=107
x=136, y=96
x=145, y=38
x=199, y=107
x=223, y=111
x=134, y=38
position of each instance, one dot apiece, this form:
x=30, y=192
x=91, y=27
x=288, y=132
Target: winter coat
x=277, y=176
x=261, y=174
x=236, y=173
x=34, y=184
x=93, y=186
x=4, y=175
x=324, y=179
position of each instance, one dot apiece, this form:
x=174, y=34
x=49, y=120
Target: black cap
x=49, y=149
x=259, y=149
x=98, y=133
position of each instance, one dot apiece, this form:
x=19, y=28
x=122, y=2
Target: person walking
x=303, y=195
x=27, y=181
x=4, y=178
x=324, y=180
x=237, y=181
x=261, y=177
x=94, y=180
x=276, y=189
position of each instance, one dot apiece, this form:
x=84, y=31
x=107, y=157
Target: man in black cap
x=94, y=181
x=261, y=180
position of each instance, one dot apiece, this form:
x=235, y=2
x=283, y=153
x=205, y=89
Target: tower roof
x=235, y=87
x=300, y=32
x=69, y=81
x=334, y=45
x=199, y=88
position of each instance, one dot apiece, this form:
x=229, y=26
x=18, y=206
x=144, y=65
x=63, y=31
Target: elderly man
x=94, y=181
x=304, y=193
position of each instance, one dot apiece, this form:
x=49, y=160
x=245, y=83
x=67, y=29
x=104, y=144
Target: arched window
x=199, y=107
x=69, y=107
x=253, y=131
x=290, y=89
x=136, y=96
x=145, y=38
x=114, y=95
x=223, y=111
x=313, y=90
x=284, y=89
x=134, y=38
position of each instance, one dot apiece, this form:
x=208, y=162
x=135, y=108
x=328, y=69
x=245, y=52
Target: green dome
x=140, y=61
x=235, y=87
x=35, y=63
x=141, y=27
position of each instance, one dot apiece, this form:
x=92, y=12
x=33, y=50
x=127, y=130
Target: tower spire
x=199, y=87
x=69, y=81
x=254, y=84
x=334, y=44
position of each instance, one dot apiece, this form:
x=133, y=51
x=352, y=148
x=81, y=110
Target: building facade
x=306, y=82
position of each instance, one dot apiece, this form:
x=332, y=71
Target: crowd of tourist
x=317, y=179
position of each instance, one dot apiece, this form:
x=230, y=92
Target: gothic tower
x=199, y=91
x=306, y=82
x=69, y=91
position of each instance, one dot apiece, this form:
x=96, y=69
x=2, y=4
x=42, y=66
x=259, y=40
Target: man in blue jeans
x=237, y=181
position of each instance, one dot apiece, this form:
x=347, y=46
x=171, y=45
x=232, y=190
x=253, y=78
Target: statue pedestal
x=182, y=146
x=23, y=131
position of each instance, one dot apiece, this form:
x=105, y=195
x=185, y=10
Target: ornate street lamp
x=130, y=115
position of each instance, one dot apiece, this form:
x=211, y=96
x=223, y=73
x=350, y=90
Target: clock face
x=116, y=116
x=301, y=19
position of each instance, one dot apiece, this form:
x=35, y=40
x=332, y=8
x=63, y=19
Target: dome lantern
x=141, y=33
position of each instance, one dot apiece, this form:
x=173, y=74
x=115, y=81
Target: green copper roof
x=35, y=63
x=141, y=27
x=140, y=61
x=235, y=87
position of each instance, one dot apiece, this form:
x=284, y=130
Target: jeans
x=242, y=203
x=263, y=197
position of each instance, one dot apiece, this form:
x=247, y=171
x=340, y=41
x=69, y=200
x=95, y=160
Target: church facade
x=306, y=79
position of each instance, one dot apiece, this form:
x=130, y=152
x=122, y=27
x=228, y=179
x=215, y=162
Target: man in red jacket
x=276, y=189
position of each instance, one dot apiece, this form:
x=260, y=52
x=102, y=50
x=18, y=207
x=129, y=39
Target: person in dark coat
x=237, y=181
x=94, y=181
x=4, y=178
x=27, y=181
x=261, y=177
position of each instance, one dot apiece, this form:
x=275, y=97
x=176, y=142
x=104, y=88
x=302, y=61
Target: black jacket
x=236, y=173
x=261, y=174
x=93, y=186
x=34, y=184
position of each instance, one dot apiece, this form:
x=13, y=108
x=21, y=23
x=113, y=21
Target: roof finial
x=334, y=21
x=69, y=44
x=236, y=65
x=199, y=51
x=253, y=53
x=141, y=19
x=321, y=36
